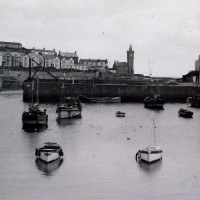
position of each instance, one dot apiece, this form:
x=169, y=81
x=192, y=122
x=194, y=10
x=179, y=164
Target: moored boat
x=72, y=108
x=50, y=167
x=101, y=99
x=49, y=152
x=151, y=153
x=34, y=117
x=185, y=113
x=106, y=100
x=194, y=101
x=120, y=114
x=156, y=102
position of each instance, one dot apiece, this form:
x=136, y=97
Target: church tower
x=130, y=60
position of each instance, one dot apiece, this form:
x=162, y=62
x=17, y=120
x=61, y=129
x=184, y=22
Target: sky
x=164, y=34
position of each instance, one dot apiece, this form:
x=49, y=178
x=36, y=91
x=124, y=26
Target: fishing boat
x=151, y=153
x=185, y=113
x=155, y=102
x=120, y=114
x=34, y=117
x=49, y=152
x=71, y=108
x=194, y=101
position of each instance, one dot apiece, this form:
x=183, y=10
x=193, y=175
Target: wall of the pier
x=50, y=91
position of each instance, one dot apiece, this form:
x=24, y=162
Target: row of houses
x=13, y=54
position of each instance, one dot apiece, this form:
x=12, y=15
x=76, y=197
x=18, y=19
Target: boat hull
x=194, y=101
x=106, y=100
x=120, y=114
x=150, y=156
x=49, y=152
x=40, y=120
x=154, y=102
x=34, y=118
x=101, y=99
x=185, y=113
x=68, y=112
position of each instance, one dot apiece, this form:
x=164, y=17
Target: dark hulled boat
x=120, y=114
x=34, y=117
x=185, y=113
x=194, y=101
x=156, y=102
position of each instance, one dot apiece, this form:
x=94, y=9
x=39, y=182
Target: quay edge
x=50, y=91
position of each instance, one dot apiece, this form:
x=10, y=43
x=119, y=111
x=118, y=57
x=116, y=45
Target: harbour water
x=99, y=154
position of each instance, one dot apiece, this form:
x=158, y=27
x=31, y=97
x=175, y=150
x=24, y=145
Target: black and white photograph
x=99, y=100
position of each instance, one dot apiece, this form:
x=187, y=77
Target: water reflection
x=150, y=168
x=34, y=128
x=48, y=168
x=156, y=109
x=66, y=122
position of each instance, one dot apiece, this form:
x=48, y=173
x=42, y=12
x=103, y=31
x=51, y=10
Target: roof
x=9, y=50
x=94, y=60
x=66, y=54
x=43, y=51
x=193, y=73
x=10, y=43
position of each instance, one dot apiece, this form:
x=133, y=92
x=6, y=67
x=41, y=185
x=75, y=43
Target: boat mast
x=32, y=89
x=37, y=90
x=154, y=131
x=62, y=90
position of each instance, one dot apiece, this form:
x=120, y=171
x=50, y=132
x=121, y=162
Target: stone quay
x=50, y=91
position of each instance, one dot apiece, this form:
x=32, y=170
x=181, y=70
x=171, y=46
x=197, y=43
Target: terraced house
x=13, y=54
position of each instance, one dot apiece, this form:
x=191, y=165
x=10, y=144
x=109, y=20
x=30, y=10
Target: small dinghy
x=120, y=114
x=49, y=151
x=185, y=113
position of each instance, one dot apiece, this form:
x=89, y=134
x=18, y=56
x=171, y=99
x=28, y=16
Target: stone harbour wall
x=50, y=91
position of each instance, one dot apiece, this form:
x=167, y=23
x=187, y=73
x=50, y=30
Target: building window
x=26, y=60
x=9, y=61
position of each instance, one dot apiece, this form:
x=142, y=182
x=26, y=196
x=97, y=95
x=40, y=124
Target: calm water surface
x=99, y=158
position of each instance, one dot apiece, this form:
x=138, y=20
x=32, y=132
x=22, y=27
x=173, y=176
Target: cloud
x=166, y=32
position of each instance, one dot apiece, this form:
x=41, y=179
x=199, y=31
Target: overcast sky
x=165, y=34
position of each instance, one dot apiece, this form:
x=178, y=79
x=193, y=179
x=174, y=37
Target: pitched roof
x=44, y=51
x=94, y=60
x=2, y=42
x=66, y=54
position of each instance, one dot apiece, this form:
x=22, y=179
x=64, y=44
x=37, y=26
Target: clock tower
x=130, y=60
